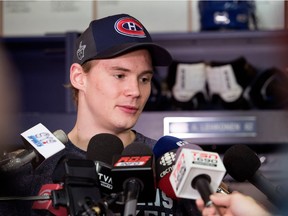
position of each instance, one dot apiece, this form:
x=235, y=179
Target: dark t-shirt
x=28, y=181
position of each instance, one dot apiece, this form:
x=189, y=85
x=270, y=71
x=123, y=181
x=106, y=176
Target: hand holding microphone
x=234, y=204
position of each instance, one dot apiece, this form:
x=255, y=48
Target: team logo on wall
x=129, y=27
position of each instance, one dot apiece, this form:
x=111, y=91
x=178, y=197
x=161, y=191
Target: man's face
x=117, y=90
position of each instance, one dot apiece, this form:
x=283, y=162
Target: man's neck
x=81, y=138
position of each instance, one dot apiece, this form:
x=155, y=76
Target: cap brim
x=159, y=55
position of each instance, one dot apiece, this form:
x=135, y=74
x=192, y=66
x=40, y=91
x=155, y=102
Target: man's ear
x=77, y=76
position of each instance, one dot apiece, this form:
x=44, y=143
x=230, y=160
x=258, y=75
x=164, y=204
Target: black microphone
x=242, y=164
x=80, y=193
x=77, y=191
x=134, y=171
x=58, y=175
x=16, y=159
x=101, y=149
x=58, y=178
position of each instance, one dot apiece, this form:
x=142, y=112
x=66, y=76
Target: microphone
x=42, y=141
x=134, y=171
x=58, y=175
x=167, y=143
x=196, y=173
x=243, y=164
x=165, y=149
x=78, y=191
x=61, y=136
x=47, y=204
x=48, y=144
x=164, y=166
x=101, y=149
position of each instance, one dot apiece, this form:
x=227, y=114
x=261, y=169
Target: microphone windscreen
x=167, y=143
x=241, y=162
x=137, y=149
x=102, y=147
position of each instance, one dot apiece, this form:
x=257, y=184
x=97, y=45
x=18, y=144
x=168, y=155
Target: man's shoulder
x=142, y=139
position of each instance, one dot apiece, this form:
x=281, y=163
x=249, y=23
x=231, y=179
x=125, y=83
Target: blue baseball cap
x=116, y=35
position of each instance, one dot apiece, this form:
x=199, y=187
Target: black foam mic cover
x=102, y=147
x=241, y=162
x=137, y=149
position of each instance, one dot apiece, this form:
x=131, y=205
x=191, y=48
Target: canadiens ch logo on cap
x=80, y=51
x=112, y=36
x=129, y=27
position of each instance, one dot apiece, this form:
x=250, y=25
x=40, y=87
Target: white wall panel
x=40, y=17
x=45, y=17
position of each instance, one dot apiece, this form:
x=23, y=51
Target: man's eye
x=145, y=79
x=119, y=76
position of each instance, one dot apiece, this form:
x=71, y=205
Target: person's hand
x=234, y=204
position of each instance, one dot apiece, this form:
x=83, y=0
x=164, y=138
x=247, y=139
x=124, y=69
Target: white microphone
x=41, y=144
x=196, y=174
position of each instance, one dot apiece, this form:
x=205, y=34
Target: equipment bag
x=233, y=14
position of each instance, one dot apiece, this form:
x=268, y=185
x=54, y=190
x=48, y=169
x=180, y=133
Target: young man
x=111, y=78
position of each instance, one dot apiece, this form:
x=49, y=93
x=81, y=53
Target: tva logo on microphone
x=126, y=161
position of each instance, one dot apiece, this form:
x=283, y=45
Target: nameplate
x=197, y=127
